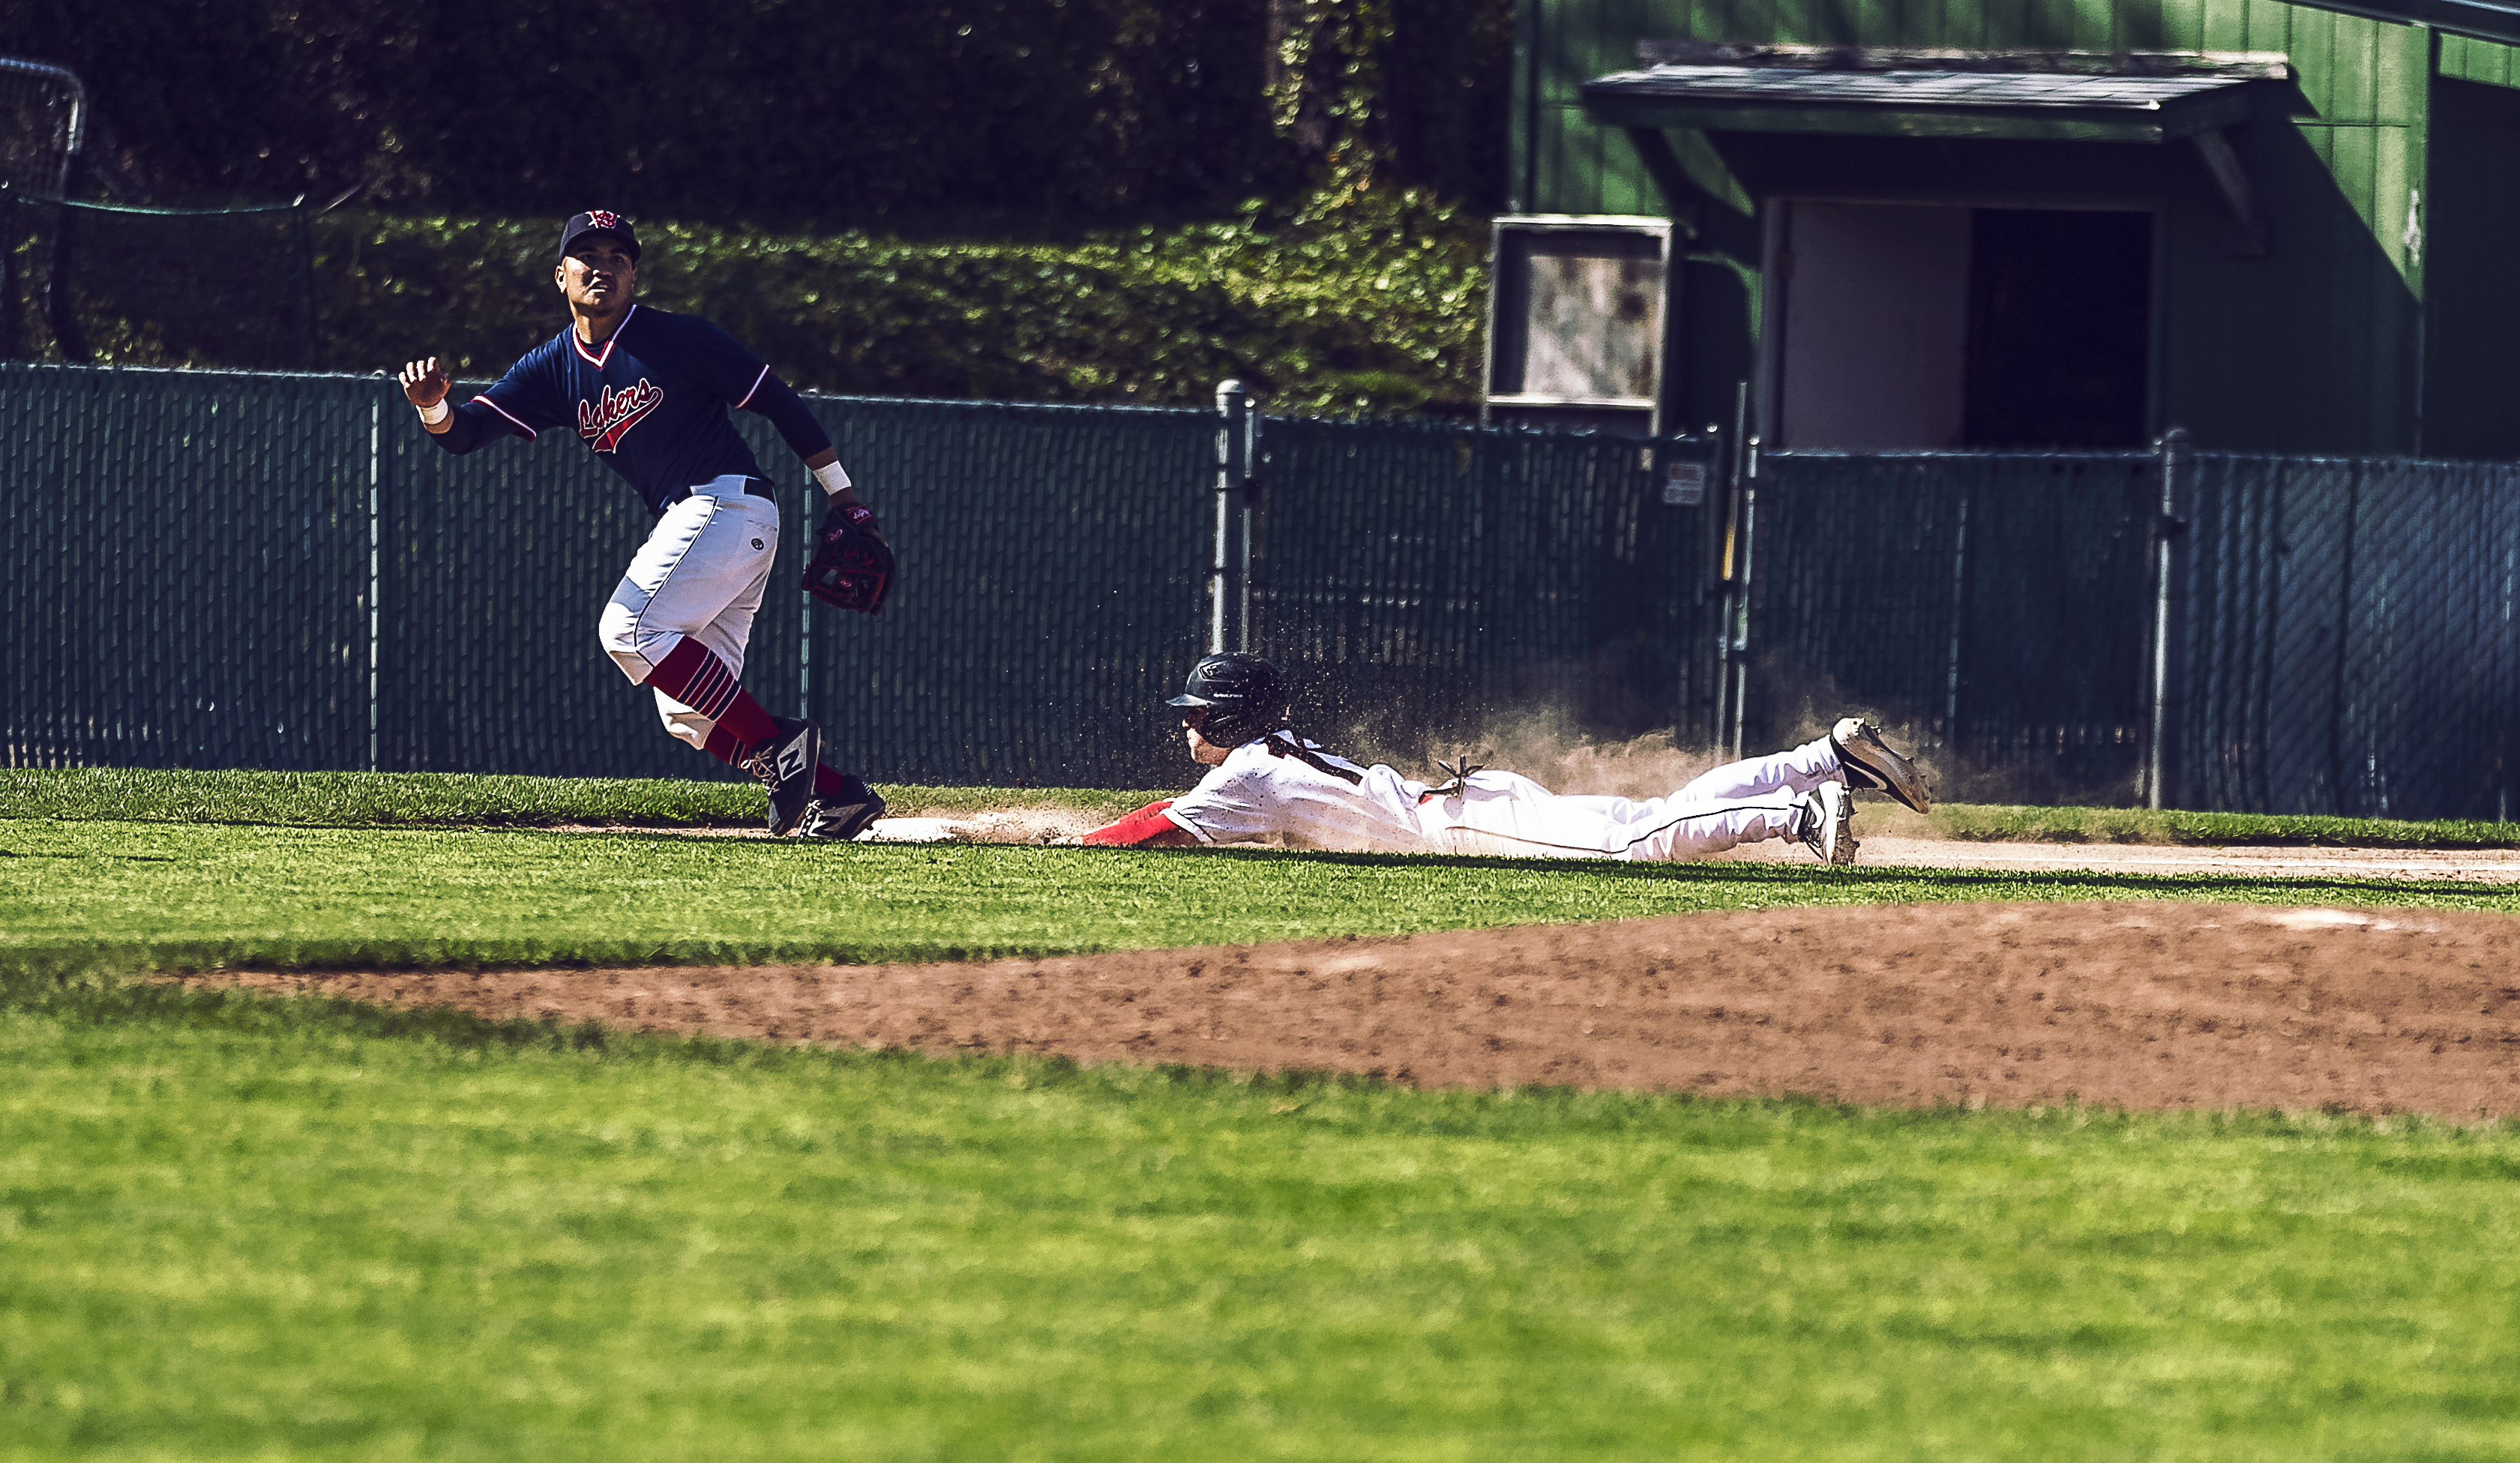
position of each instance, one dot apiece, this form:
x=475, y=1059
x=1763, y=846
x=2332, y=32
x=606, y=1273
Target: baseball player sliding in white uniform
x=1265, y=779
x=650, y=392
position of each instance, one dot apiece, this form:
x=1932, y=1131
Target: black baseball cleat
x=785, y=764
x=1825, y=823
x=828, y=817
x=1871, y=762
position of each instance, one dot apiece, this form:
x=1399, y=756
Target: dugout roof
x=2060, y=97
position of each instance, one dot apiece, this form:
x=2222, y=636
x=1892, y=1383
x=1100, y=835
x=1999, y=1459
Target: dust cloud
x=1547, y=745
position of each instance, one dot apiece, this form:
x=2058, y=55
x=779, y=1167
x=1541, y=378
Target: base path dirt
x=2136, y=1005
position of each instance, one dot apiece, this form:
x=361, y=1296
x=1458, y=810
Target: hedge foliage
x=806, y=114
x=1103, y=201
x=1363, y=301
x=1021, y=200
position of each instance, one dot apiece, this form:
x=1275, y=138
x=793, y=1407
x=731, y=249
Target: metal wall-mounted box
x=1577, y=314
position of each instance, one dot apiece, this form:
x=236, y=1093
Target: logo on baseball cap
x=598, y=221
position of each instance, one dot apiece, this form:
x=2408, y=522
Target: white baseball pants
x=701, y=574
x=1738, y=802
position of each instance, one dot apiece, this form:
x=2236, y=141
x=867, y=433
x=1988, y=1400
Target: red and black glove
x=851, y=565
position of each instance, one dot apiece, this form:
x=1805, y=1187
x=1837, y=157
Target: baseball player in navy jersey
x=650, y=393
x=1264, y=778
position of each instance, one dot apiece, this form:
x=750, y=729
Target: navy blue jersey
x=651, y=401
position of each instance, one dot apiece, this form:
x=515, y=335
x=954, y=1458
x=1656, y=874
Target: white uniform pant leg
x=1799, y=771
x=1740, y=802
x=1508, y=814
x=1691, y=829
x=701, y=574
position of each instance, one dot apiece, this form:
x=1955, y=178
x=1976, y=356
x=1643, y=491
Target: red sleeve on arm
x=1144, y=825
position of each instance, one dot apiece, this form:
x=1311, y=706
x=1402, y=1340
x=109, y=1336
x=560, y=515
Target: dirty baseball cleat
x=785, y=764
x=841, y=817
x=1825, y=823
x=1872, y=763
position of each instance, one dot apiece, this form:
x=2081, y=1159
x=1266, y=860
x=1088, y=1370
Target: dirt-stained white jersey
x=1284, y=785
x=1263, y=787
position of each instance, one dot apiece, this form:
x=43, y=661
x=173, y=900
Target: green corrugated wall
x=2324, y=345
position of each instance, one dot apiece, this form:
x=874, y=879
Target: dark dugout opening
x=2061, y=323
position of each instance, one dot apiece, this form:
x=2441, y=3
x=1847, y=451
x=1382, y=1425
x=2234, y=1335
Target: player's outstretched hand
x=424, y=384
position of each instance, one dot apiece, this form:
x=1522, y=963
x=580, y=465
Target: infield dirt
x=2122, y=1004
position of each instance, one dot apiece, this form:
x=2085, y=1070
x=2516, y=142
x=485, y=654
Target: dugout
x=2018, y=223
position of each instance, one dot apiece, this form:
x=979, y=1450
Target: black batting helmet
x=1245, y=697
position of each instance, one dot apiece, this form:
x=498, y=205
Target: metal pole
x=1960, y=626
x=2169, y=624
x=805, y=617
x=58, y=318
x=1742, y=619
x=1246, y=498
x=375, y=620
x=1229, y=579
x=1736, y=468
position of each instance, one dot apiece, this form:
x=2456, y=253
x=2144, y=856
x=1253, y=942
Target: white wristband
x=834, y=481
x=437, y=411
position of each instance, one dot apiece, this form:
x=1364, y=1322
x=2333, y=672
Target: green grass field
x=127, y=895
x=357, y=800
x=246, y=1227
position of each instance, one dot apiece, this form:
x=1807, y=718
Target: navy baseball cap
x=598, y=221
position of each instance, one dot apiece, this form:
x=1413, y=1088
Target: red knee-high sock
x=695, y=677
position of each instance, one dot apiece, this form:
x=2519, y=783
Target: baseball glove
x=851, y=567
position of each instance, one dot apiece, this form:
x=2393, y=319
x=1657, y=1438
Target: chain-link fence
x=2344, y=639
x=208, y=570
x=1426, y=576
x=186, y=571
x=1993, y=605
x=1050, y=589
x=216, y=568
x=2351, y=640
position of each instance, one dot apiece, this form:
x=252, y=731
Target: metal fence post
x=1727, y=533
x=2169, y=622
x=1229, y=581
x=375, y=555
x=1738, y=630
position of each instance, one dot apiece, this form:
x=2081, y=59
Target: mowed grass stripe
x=384, y=800
x=174, y=895
x=363, y=799
x=301, y=1242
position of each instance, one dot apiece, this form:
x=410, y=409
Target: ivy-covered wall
x=1362, y=303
